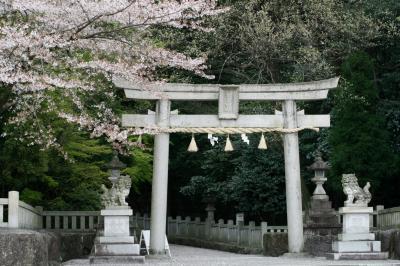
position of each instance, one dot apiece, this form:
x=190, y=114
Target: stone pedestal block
x=358, y=256
x=356, y=246
x=116, y=221
x=321, y=213
x=356, y=241
x=116, y=245
x=354, y=237
x=116, y=249
x=356, y=219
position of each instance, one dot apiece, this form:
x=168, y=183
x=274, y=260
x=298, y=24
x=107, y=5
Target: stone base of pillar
x=358, y=256
x=295, y=255
x=114, y=245
x=357, y=243
x=112, y=260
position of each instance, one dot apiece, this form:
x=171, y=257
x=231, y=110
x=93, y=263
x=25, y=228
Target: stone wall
x=20, y=247
x=319, y=245
x=314, y=244
x=390, y=242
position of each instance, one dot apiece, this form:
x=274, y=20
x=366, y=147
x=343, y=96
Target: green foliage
x=262, y=41
x=141, y=170
x=359, y=140
x=248, y=179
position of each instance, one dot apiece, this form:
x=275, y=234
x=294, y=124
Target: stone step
x=356, y=246
x=116, y=249
x=354, y=237
x=117, y=239
x=359, y=256
x=113, y=260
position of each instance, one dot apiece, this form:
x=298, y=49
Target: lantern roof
x=319, y=164
x=115, y=163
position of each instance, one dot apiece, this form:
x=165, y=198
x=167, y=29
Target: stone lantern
x=319, y=167
x=322, y=221
x=115, y=166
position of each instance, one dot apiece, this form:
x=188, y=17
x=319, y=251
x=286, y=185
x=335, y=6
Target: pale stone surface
x=356, y=246
x=117, y=239
x=292, y=180
x=228, y=103
x=117, y=211
x=113, y=260
x=355, y=223
x=314, y=90
x=190, y=256
x=160, y=181
x=116, y=249
x=116, y=225
x=361, y=197
x=361, y=256
x=13, y=201
x=267, y=121
x=360, y=236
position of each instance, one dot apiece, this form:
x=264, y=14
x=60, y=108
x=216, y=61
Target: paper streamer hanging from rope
x=193, y=146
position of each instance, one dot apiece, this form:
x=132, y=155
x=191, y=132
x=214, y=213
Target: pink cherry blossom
x=40, y=44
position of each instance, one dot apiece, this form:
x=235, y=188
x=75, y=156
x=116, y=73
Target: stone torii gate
x=228, y=97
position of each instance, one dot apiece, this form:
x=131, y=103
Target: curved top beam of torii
x=314, y=90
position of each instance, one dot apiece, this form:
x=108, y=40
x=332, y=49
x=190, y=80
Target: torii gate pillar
x=160, y=180
x=292, y=179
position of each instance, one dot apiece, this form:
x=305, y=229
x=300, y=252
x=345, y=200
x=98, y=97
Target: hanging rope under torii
x=227, y=130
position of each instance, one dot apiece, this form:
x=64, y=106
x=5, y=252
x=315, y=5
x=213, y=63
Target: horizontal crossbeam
x=315, y=90
x=212, y=121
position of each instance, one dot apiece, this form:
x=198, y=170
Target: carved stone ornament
x=355, y=195
x=121, y=185
x=115, y=196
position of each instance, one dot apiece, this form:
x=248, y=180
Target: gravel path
x=191, y=256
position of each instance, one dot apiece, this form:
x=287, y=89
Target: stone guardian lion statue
x=355, y=195
x=115, y=196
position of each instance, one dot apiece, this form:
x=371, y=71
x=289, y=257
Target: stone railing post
x=252, y=226
x=13, y=205
x=39, y=223
x=197, y=223
x=378, y=208
x=264, y=230
x=239, y=226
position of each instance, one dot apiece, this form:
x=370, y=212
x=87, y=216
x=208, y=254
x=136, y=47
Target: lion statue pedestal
x=356, y=241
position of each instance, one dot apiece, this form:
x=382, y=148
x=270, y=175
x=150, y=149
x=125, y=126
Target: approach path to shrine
x=185, y=255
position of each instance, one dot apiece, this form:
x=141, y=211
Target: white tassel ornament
x=263, y=144
x=193, y=145
x=228, y=145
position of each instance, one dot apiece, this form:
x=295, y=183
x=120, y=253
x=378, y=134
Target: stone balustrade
x=387, y=218
x=71, y=220
x=19, y=214
x=237, y=234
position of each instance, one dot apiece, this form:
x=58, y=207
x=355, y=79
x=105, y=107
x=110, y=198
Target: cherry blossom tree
x=65, y=49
